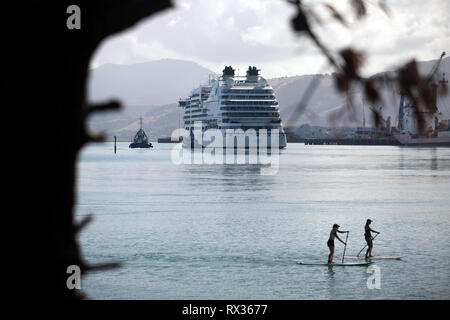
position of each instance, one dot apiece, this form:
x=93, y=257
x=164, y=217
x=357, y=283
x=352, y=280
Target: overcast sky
x=215, y=33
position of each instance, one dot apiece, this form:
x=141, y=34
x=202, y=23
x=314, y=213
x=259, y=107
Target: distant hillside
x=152, y=89
x=327, y=102
x=149, y=83
x=157, y=121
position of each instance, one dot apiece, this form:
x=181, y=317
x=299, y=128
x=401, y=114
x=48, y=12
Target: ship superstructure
x=234, y=102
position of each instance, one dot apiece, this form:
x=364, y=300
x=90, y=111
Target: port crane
x=435, y=67
x=430, y=79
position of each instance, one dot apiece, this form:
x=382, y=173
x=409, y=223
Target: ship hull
x=195, y=143
x=140, y=145
x=168, y=140
x=406, y=139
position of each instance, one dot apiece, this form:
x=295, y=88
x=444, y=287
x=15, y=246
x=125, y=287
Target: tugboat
x=140, y=139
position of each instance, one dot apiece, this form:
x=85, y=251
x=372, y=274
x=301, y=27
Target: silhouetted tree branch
x=45, y=78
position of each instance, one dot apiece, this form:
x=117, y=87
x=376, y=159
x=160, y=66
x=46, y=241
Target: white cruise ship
x=232, y=102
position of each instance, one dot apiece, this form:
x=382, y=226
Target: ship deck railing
x=346, y=141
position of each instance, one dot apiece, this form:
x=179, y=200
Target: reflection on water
x=434, y=160
x=231, y=178
x=401, y=159
x=331, y=273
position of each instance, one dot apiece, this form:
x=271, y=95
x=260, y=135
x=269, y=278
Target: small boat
x=140, y=139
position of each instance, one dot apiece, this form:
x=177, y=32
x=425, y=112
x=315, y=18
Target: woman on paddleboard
x=330, y=243
x=369, y=238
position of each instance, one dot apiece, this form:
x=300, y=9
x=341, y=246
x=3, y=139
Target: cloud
x=258, y=32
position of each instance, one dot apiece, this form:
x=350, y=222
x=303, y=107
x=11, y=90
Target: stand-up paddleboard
x=345, y=264
x=378, y=258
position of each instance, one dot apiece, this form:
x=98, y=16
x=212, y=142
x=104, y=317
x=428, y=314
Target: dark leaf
x=314, y=17
x=359, y=7
x=342, y=82
x=294, y=2
x=371, y=92
x=353, y=61
x=382, y=4
x=336, y=15
x=408, y=75
x=420, y=92
x=300, y=22
x=377, y=119
x=421, y=121
x=427, y=93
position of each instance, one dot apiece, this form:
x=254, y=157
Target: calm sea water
x=228, y=232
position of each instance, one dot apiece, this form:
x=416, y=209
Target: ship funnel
x=252, y=74
x=228, y=72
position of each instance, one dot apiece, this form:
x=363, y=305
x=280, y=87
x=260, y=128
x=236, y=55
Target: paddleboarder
x=330, y=243
x=369, y=238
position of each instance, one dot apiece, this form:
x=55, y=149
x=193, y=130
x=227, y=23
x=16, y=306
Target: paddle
x=366, y=245
x=345, y=247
